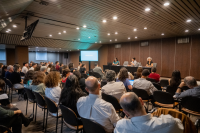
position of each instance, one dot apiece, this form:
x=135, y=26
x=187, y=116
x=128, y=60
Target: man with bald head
x=138, y=121
x=194, y=90
x=95, y=108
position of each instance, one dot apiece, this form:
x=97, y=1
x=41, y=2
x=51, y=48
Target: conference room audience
x=65, y=75
x=81, y=81
x=49, y=68
x=53, y=89
x=175, y=79
x=144, y=84
x=61, y=68
x=4, y=70
x=138, y=121
x=15, y=77
x=14, y=119
x=98, y=70
x=8, y=72
x=28, y=78
x=95, y=108
x=149, y=62
x=123, y=77
x=37, y=68
x=83, y=69
x=44, y=69
x=38, y=83
x=25, y=67
x=116, y=89
x=33, y=66
x=79, y=66
x=71, y=67
x=57, y=66
x=154, y=75
x=138, y=74
x=194, y=90
x=116, y=62
x=133, y=62
x=71, y=93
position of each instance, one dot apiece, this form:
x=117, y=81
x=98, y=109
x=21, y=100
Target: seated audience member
x=57, y=66
x=30, y=64
x=44, y=69
x=95, y=108
x=53, y=89
x=138, y=74
x=115, y=62
x=123, y=77
x=15, y=77
x=65, y=74
x=4, y=100
x=175, y=79
x=98, y=69
x=53, y=68
x=25, y=67
x=139, y=121
x=61, y=68
x=144, y=84
x=133, y=61
x=83, y=69
x=71, y=67
x=194, y=90
x=38, y=83
x=28, y=79
x=14, y=119
x=8, y=72
x=81, y=80
x=149, y=62
x=46, y=64
x=4, y=70
x=71, y=93
x=33, y=66
x=116, y=89
x=49, y=68
x=79, y=66
x=51, y=63
x=37, y=68
x=154, y=75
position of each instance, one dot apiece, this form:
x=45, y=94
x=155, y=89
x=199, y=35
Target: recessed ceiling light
x=36, y=47
x=136, y=37
x=70, y=50
x=60, y=48
x=115, y=17
x=50, y=35
x=78, y=39
x=115, y=39
x=78, y=49
x=45, y=49
x=28, y=48
x=129, y=38
x=84, y=26
x=147, y=9
x=186, y=30
x=77, y=28
x=199, y=29
x=145, y=28
x=166, y=4
x=110, y=40
x=135, y=30
x=100, y=41
x=64, y=31
x=116, y=33
x=67, y=50
x=88, y=37
x=95, y=42
x=38, y=50
x=8, y=29
x=162, y=34
x=189, y=20
x=109, y=34
x=59, y=33
x=14, y=26
x=104, y=21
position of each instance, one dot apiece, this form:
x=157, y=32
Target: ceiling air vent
x=143, y=44
x=118, y=46
x=183, y=40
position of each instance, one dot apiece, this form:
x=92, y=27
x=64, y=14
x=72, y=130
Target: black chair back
x=69, y=116
x=91, y=126
x=157, y=86
x=164, y=82
x=40, y=99
x=141, y=93
x=163, y=97
x=171, y=90
x=9, y=83
x=152, y=80
x=191, y=103
x=30, y=94
x=22, y=74
x=97, y=75
x=51, y=105
x=112, y=100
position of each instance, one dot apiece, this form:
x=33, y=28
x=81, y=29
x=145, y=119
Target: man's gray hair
x=43, y=68
x=190, y=81
x=110, y=75
x=9, y=67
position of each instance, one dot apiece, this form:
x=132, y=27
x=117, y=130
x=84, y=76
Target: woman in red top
x=57, y=66
x=65, y=74
x=154, y=75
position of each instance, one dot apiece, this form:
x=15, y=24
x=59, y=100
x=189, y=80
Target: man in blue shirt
x=9, y=71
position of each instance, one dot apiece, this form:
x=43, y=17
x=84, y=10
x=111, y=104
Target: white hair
x=149, y=58
x=43, y=68
x=9, y=67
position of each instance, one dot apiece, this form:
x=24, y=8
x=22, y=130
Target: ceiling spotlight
x=50, y=35
x=88, y=37
x=67, y=50
x=199, y=29
x=28, y=48
x=135, y=30
x=116, y=33
x=59, y=33
x=78, y=49
x=189, y=20
x=36, y=47
x=186, y=30
x=95, y=42
x=129, y=38
x=78, y=39
x=104, y=21
x=136, y=37
x=166, y=4
x=14, y=26
x=109, y=34
x=145, y=28
x=77, y=28
x=64, y=31
x=110, y=40
x=147, y=9
x=162, y=34
x=84, y=26
x=7, y=31
x=100, y=41
x=115, y=39
x=115, y=17
x=60, y=48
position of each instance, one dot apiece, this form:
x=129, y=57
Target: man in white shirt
x=116, y=89
x=138, y=121
x=25, y=69
x=133, y=61
x=144, y=84
x=33, y=66
x=95, y=108
x=98, y=70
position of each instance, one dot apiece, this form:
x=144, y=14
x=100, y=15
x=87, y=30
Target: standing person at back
x=79, y=66
x=95, y=108
x=154, y=75
x=57, y=66
x=98, y=70
x=25, y=67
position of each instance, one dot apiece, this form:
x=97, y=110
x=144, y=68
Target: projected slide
x=41, y=55
x=89, y=55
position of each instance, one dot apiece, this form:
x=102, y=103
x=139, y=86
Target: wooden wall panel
x=135, y=50
x=125, y=49
x=118, y=55
x=155, y=53
x=21, y=54
x=111, y=53
x=10, y=56
x=144, y=53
